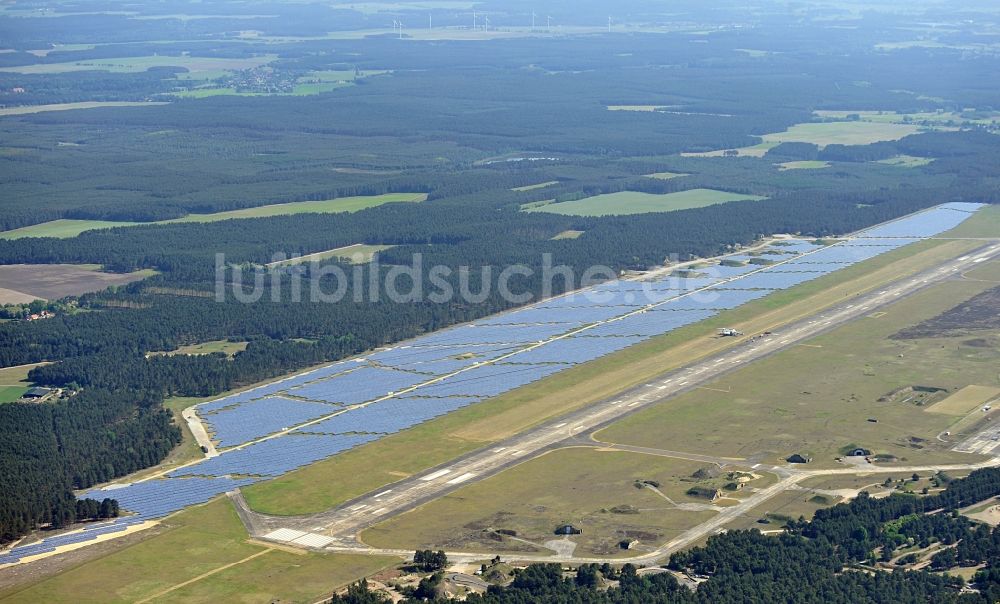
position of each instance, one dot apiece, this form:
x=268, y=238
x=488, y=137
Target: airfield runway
x=338, y=529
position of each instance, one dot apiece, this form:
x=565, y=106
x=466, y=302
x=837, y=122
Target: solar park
x=279, y=427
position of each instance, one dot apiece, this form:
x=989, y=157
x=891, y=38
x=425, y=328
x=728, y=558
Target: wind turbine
x=487, y=19
x=475, y=23
x=609, y=24
x=548, y=22
x=532, y=20
x=400, y=30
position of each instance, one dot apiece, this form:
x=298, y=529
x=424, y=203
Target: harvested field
x=981, y=312
x=54, y=281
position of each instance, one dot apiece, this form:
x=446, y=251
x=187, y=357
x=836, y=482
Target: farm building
x=37, y=394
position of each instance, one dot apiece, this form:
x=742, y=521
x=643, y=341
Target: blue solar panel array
x=256, y=419
x=488, y=380
x=575, y=349
x=389, y=416
x=924, y=224
x=358, y=386
x=88, y=533
x=157, y=498
x=275, y=456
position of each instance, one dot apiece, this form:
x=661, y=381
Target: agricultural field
x=803, y=165
x=200, y=555
x=359, y=253
x=72, y=228
x=224, y=346
x=137, y=64
x=540, y=185
x=27, y=109
x=590, y=489
x=842, y=133
x=14, y=382
x=935, y=118
x=631, y=202
x=61, y=228
x=571, y=234
x=665, y=175
x=639, y=108
x=821, y=134
x=314, y=82
x=905, y=161
x=55, y=281
x=768, y=412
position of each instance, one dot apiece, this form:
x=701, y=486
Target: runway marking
x=437, y=474
x=461, y=478
x=559, y=425
x=378, y=511
x=358, y=507
x=499, y=449
x=383, y=494
x=313, y=540
x=516, y=453
x=978, y=260
x=634, y=404
x=285, y=534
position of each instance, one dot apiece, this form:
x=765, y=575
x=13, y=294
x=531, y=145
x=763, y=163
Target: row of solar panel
x=925, y=224
x=88, y=533
x=275, y=456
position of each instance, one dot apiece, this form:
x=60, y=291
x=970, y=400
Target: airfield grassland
x=331, y=482
x=633, y=202
x=965, y=401
x=874, y=482
x=590, y=489
x=72, y=228
x=199, y=555
x=785, y=506
x=823, y=396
